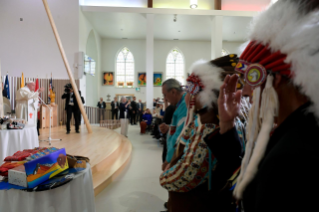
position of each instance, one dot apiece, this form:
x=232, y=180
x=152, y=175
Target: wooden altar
x=45, y=116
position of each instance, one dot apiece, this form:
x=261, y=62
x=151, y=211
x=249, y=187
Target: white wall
x=92, y=82
x=89, y=40
x=29, y=46
x=192, y=51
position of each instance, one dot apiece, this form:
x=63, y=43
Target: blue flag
x=7, y=88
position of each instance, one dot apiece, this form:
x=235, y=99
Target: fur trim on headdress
x=210, y=76
x=285, y=28
x=284, y=39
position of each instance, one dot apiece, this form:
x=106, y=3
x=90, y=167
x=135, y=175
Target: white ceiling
x=191, y=27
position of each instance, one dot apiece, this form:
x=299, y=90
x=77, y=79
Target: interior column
x=149, y=60
x=216, y=36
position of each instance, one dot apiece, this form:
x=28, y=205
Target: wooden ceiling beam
x=150, y=3
x=218, y=4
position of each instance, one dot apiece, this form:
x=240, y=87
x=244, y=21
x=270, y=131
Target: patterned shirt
x=193, y=169
x=176, y=128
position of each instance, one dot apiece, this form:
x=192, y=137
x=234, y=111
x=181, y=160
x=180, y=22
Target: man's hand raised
x=228, y=103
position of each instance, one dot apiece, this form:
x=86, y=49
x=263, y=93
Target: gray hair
x=173, y=84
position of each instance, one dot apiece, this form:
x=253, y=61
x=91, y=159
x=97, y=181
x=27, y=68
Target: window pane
x=129, y=58
x=129, y=69
x=120, y=69
x=120, y=81
x=170, y=58
x=129, y=81
x=120, y=58
x=179, y=59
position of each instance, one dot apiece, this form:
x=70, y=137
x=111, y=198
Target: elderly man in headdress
x=197, y=175
x=282, y=129
x=23, y=96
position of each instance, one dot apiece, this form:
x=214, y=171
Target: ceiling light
x=193, y=4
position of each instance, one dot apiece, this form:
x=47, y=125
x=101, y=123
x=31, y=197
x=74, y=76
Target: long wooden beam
x=66, y=63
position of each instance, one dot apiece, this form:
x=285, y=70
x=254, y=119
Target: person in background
x=158, y=120
x=70, y=108
x=77, y=108
x=147, y=117
x=140, y=108
x=154, y=102
x=115, y=107
x=174, y=94
x=133, y=111
x=129, y=110
x=101, y=105
x=167, y=119
x=123, y=106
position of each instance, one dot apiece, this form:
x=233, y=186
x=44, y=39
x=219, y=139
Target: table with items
x=15, y=136
x=46, y=179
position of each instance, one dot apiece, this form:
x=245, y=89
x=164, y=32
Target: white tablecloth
x=12, y=141
x=75, y=196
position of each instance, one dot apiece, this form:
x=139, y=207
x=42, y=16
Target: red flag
x=36, y=88
x=36, y=85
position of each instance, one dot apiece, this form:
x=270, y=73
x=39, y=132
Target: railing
x=96, y=115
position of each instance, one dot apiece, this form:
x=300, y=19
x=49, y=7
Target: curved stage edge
x=109, y=152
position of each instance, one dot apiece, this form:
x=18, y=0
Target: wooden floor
x=108, y=151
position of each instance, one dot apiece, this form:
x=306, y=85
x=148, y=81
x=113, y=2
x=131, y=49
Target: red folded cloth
x=4, y=168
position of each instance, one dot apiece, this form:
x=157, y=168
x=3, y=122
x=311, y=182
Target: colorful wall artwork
x=158, y=79
x=108, y=78
x=141, y=79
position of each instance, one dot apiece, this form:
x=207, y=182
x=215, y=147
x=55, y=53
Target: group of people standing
x=229, y=153
x=128, y=109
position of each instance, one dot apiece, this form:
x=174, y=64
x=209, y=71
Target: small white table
x=75, y=196
x=12, y=141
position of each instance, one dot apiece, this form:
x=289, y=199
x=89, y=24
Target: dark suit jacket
x=67, y=97
x=113, y=105
x=99, y=105
x=138, y=107
x=133, y=105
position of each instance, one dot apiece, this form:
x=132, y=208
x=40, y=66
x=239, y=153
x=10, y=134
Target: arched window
x=224, y=52
x=175, y=66
x=125, y=68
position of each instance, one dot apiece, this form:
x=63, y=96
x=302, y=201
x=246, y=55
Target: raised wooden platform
x=109, y=152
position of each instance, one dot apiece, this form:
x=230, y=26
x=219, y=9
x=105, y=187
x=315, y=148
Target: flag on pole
x=6, y=87
x=50, y=88
x=22, y=81
x=36, y=88
x=36, y=85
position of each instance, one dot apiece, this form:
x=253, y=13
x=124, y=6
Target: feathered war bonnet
x=283, y=40
x=205, y=79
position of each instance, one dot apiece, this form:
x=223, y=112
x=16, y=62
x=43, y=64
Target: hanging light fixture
x=193, y=4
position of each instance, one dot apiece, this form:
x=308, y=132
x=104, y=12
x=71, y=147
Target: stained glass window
x=175, y=66
x=125, y=68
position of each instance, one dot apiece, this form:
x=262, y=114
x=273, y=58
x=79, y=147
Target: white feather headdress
x=284, y=39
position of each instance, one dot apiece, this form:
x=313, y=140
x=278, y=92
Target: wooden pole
x=66, y=63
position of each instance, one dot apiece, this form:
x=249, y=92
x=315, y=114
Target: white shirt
x=71, y=102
